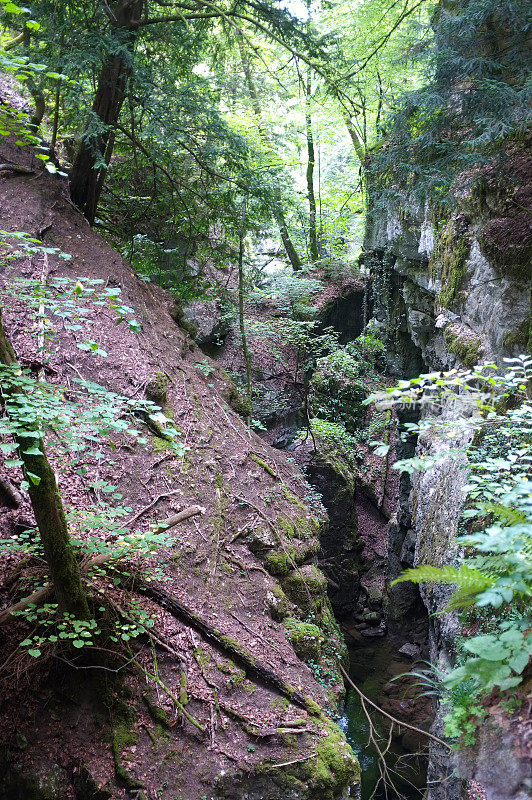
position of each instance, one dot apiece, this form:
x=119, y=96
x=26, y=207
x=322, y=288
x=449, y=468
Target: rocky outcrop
x=455, y=290
x=452, y=291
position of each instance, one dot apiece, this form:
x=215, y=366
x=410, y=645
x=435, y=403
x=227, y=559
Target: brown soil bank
x=87, y=724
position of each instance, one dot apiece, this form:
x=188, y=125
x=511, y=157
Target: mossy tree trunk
x=313, y=236
x=46, y=503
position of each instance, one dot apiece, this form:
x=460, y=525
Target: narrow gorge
x=265, y=380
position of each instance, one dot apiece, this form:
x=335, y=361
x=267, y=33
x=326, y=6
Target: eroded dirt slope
x=66, y=730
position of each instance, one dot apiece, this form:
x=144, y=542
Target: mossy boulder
x=335, y=767
x=332, y=772
x=178, y=315
x=305, y=638
x=306, y=587
x=279, y=562
x=278, y=604
x=157, y=389
x=463, y=345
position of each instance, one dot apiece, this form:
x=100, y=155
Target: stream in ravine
x=372, y=668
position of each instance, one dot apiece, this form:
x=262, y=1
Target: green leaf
x=33, y=451
x=35, y=479
x=35, y=652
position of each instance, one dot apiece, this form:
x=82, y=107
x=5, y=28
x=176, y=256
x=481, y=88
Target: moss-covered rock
x=157, y=388
x=279, y=562
x=305, y=638
x=278, y=604
x=332, y=772
x=465, y=347
x=178, y=315
x=448, y=261
x=17, y=784
x=335, y=766
x=238, y=402
x=306, y=587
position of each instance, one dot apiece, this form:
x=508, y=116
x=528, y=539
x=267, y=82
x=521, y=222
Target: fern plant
x=494, y=579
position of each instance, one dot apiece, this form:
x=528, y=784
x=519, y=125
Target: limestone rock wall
x=452, y=292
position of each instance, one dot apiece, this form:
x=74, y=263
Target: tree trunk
x=47, y=505
x=278, y=212
x=247, y=354
x=313, y=236
x=87, y=175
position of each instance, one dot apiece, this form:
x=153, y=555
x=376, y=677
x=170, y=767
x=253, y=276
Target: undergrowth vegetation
x=492, y=582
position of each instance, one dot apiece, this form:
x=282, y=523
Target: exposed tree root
x=222, y=642
x=95, y=561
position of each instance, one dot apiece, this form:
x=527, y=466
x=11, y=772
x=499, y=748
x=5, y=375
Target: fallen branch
x=96, y=561
x=172, y=696
x=152, y=504
x=222, y=642
x=18, y=168
x=10, y=493
x=389, y=716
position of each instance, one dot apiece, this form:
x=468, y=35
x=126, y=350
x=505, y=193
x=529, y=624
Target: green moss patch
x=449, y=259
x=306, y=587
x=305, y=638
x=466, y=348
x=157, y=389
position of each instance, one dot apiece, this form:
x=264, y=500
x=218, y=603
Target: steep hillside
x=243, y=566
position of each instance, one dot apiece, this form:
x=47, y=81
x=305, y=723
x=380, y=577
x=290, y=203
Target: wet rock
x=410, y=650
x=375, y=633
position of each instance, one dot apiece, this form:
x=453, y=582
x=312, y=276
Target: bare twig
x=389, y=716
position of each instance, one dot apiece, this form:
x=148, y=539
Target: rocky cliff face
x=455, y=290
x=451, y=292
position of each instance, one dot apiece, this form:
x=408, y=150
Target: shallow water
x=371, y=668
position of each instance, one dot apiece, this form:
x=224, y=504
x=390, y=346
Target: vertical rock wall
x=452, y=292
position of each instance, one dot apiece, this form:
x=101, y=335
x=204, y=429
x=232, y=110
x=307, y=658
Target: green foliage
x=475, y=96
x=337, y=391
x=494, y=581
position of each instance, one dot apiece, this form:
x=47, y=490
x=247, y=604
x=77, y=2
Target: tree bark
x=313, y=236
x=245, y=348
x=87, y=175
x=278, y=212
x=47, y=505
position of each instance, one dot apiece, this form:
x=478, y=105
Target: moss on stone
x=466, y=348
x=278, y=562
x=278, y=604
x=518, y=337
x=305, y=638
x=123, y=736
x=449, y=259
x=291, y=497
x=305, y=551
x=336, y=766
x=157, y=388
x=306, y=588
x=177, y=314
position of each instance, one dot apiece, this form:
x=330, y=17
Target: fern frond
x=506, y=515
x=468, y=580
